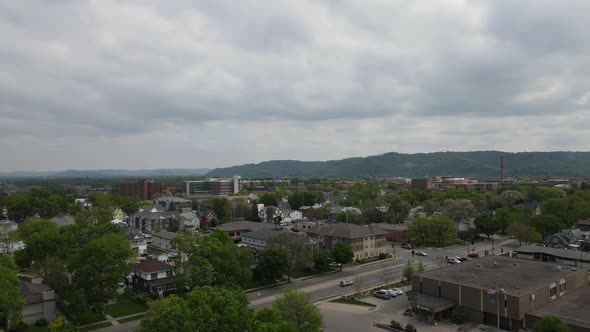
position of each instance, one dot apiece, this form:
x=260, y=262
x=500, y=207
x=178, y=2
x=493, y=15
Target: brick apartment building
x=143, y=189
x=367, y=241
x=507, y=293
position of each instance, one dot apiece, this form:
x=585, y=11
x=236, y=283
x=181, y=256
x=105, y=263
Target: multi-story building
x=143, y=189
x=171, y=203
x=494, y=290
x=426, y=183
x=213, y=186
x=367, y=241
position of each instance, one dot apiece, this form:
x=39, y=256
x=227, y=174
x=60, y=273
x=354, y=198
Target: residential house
x=583, y=225
x=39, y=301
x=136, y=239
x=208, y=218
x=162, y=239
x=153, y=276
x=417, y=211
x=189, y=220
x=571, y=239
x=170, y=203
x=295, y=215
x=8, y=240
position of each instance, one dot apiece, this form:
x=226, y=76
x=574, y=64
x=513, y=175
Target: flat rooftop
x=573, y=308
x=516, y=276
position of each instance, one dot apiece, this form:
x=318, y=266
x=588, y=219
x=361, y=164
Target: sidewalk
x=112, y=320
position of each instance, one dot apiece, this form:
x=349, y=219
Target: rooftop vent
x=495, y=263
x=472, y=275
x=515, y=264
x=574, y=269
x=478, y=265
x=558, y=268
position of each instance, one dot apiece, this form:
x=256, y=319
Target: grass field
x=354, y=302
x=125, y=306
x=130, y=319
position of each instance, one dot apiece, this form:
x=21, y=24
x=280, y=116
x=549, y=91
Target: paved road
x=325, y=286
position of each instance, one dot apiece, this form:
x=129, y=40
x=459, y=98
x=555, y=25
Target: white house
x=296, y=215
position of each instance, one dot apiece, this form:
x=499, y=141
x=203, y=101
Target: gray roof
x=386, y=226
x=172, y=199
x=559, y=253
x=63, y=220
x=245, y=225
x=574, y=308
x=516, y=276
x=165, y=235
x=350, y=231
x=262, y=234
x=131, y=232
x=33, y=292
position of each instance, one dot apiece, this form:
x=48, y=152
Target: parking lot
x=347, y=317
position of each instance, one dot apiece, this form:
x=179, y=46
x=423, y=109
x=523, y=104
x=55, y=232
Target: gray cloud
x=102, y=84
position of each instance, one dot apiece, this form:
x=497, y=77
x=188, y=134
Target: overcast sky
x=189, y=84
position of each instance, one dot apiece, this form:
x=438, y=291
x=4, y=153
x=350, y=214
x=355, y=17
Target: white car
x=421, y=253
x=393, y=292
x=453, y=260
x=334, y=264
x=344, y=283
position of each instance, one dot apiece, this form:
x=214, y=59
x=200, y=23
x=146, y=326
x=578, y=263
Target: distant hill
x=108, y=173
x=477, y=164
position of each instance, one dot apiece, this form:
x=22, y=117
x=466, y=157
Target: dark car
x=407, y=246
x=473, y=255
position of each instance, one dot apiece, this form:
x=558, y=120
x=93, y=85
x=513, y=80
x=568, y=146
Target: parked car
x=382, y=294
x=462, y=259
x=453, y=260
x=391, y=292
x=344, y=283
x=334, y=264
x=395, y=292
x=421, y=253
x=473, y=255
x=407, y=246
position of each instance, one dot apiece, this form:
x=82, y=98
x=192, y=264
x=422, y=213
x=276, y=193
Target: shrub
x=457, y=315
x=382, y=255
x=411, y=328
x=307, y=269
x=41, y=322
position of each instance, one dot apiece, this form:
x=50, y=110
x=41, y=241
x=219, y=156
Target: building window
x=169, y=273
x=439, y=291
x=553, y=291
x=554, y=239
x=154, y=276
x=562, y=288
x=366, y=254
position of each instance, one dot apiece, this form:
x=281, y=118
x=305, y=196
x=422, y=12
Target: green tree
x=271, y=320
x=298, y=247
x=546, y=224
x=296, y=308
x=510, y=197
x=342, y=253
x=421, y=267
x=11, y=303
x=221, y=207
x=60, y=324
x=442, y=229
x=322, y=260
x=409, y=271
x=520, y=231
x=551, y=323
x=486, y=224
x=273, y=263
x=205, y=303
x=419, y=230
x=100, y=265
x=459, y=209
x=504, y=219
x=168, y=314
x=202, y=260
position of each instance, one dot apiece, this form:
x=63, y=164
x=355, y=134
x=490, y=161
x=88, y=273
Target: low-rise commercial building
x=494, y=290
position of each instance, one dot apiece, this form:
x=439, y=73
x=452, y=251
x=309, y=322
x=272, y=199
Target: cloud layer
x=151, y=84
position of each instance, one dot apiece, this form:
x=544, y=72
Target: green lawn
x=125, y=306
x=96, y=327
x=354, y=301
x=34, y=328
x=130, y=319
x=84, y=318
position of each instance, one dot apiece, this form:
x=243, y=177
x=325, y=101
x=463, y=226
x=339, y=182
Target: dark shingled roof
x=152, y=265
x=350, y=231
